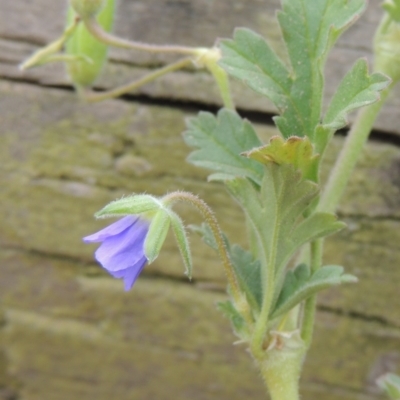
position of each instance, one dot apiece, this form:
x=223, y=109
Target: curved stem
x=210, y=218
x=335, y=188
x=93, y=97
x=350, y=153
x=100, y=34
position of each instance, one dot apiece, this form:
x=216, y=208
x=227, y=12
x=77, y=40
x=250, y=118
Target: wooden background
x=67, y=330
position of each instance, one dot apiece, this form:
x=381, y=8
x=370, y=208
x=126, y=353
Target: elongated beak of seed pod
x=89, y=54
x=87, y=8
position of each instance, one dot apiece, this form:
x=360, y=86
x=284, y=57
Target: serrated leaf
x=316, y=226
x=309, y=30
x=299, y=285
x=182, y=241
x=249, y=58
x=248, y=273
x=356, y=90
x=296, y=151
x=220, y=141
x=238, y=323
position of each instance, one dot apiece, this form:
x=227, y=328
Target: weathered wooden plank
x=70, y=335
x=64, y=160
x=25, y=24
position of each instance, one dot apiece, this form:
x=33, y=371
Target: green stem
x=350, y=153
x=280, y=370
x=210, y=218
x=107, y=38
x=95, y=97
x=307, y=328
x=335, y=188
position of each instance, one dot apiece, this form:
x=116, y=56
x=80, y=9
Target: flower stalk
x=211, y=220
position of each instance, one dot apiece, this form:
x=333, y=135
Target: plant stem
x=281, y=372
x=335, y=188
x=350, y=153
x=93, y=97
x=210, y=218
x=100, y=34
x=307, y=328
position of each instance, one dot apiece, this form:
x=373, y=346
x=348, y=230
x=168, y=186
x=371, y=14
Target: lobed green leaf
x=220, y=141
x=299, y=284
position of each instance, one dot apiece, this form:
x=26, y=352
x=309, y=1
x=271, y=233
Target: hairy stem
x=210, y=218
x=349, y=155
x=93, y=97
x=100, y=34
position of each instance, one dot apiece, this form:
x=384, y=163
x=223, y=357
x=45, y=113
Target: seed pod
x=83, y=72
x=87, y=8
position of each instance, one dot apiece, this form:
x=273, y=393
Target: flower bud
x=87, y=8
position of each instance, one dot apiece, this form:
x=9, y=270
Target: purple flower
x=121, y=251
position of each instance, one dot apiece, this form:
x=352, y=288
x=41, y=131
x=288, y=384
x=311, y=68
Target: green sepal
x=390, y=383
x=219, y=141
x=295, y=150
x=182, y=242
x=83, y=44
x=157, y=233
x=299, y=284
x=135, y=204
x=238, y=323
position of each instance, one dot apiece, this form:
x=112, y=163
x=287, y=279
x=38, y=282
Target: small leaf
x=238, y=323
x=156, y=235
x=206, y=234
x=135, y=204
x=298, y=285
x=220, y=141
x=390, y=383
x=356, y=90
x=247, y=269
x=316, y=226
x=249, y=275
x=182, y=241
x=294, y=150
